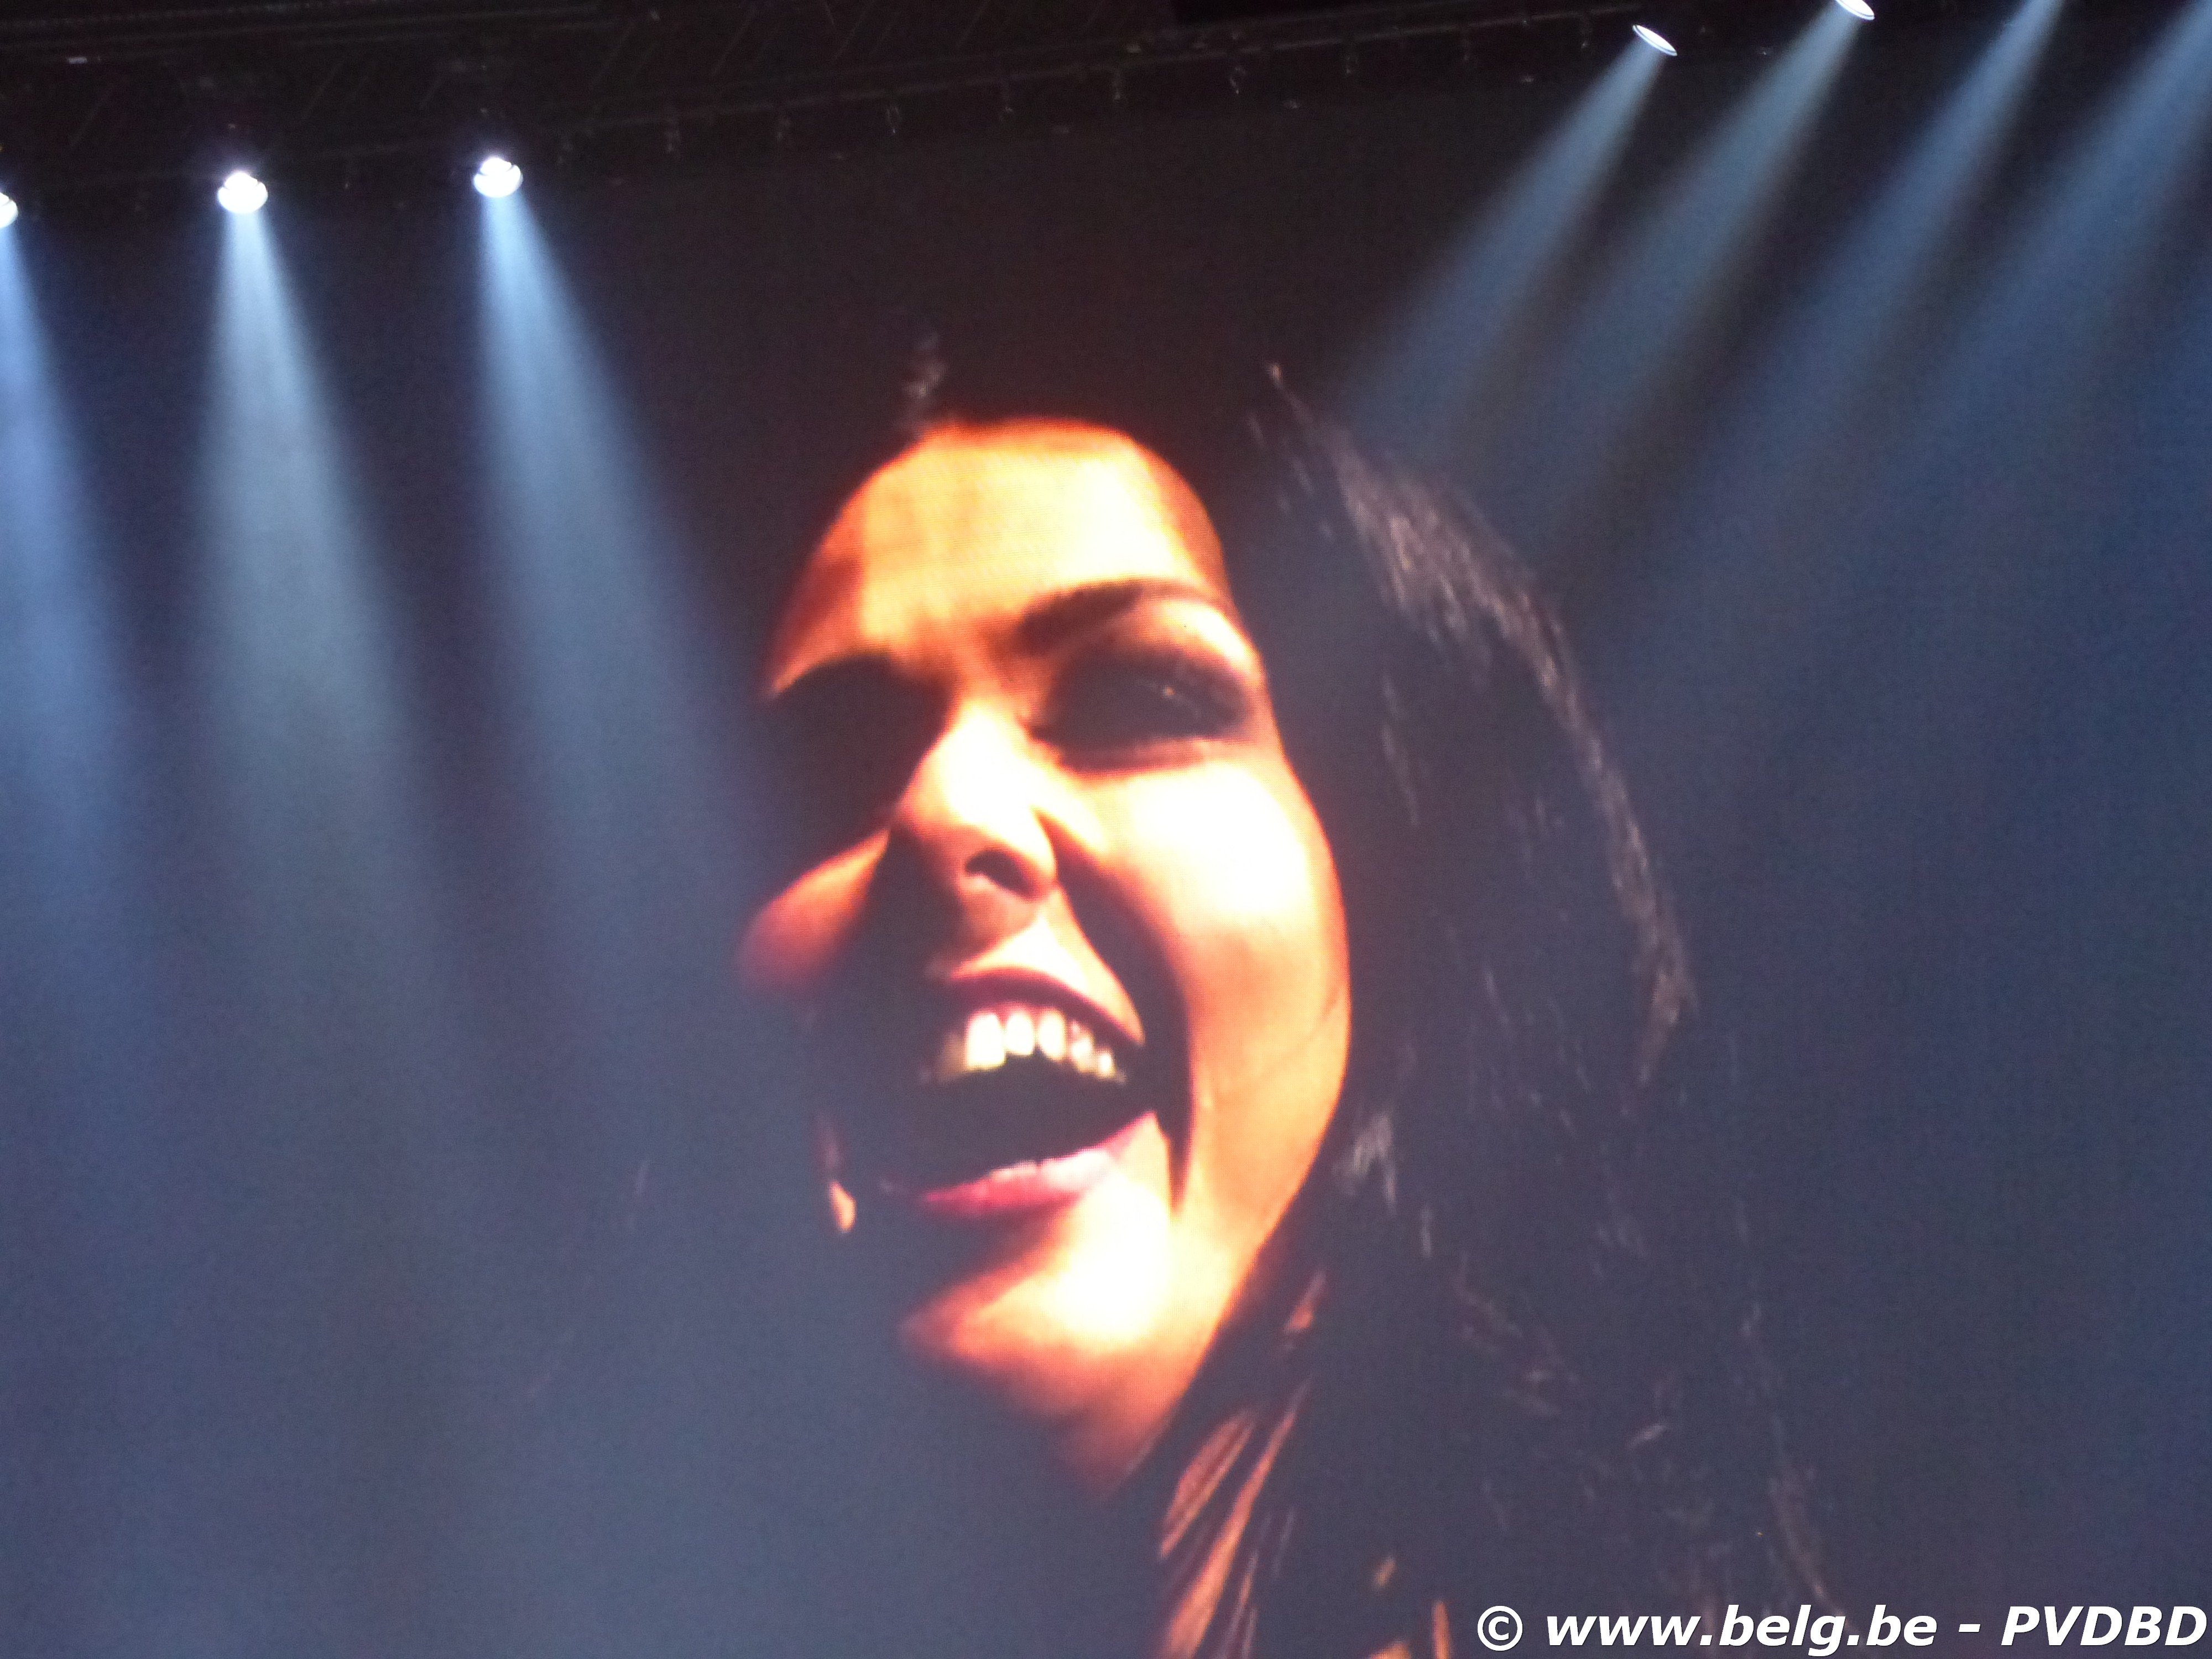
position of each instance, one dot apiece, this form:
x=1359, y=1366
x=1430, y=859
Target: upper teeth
x=991, y=1035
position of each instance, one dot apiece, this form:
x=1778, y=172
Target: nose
x=971, y=825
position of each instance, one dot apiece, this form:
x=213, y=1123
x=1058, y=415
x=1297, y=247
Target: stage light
x=1658, y=42
x=1858, y=9
x=7, y=210
x=242, y=192
x=1657, y=308
x=496, y=176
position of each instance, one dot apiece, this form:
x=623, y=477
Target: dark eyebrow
x=843, y=677
x=1058, y=618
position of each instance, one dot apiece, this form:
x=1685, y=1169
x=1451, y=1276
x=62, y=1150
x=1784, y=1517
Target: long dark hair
x=1531, y=1371
x=1516, y=1357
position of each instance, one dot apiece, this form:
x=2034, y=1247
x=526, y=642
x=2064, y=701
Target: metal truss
x=98, y=102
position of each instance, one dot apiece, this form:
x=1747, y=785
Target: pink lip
x=1026, y=1189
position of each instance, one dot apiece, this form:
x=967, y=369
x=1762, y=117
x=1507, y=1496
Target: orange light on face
x=1072, y=964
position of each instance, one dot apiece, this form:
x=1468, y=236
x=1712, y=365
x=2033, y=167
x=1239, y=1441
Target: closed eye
x=847, y=736
x=1112, y=703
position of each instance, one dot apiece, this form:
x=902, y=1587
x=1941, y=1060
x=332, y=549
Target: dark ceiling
x=121, y=105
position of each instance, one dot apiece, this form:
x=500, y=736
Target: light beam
x=1662, y=294
x=1819, y=387
x=2027, y=380
x=306, y=760
x=609, y=692
x=2068, y=278
x=2022, y=455
x=67, y=743
x=1801, y=444
x=1449, y=361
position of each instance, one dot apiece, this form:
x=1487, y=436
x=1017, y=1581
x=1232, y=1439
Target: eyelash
x=1125, y=701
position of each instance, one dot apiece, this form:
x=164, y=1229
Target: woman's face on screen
x=1065, y=937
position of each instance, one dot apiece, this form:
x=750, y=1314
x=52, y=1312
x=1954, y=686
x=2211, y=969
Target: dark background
x=389, y=1261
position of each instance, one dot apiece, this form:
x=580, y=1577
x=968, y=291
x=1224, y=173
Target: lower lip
x=1028, y=1189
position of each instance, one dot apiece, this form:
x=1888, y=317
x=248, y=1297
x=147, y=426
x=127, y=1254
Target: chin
x=1082, y=1327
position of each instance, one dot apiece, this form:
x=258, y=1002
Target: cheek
x=794, y=941
x=1246, y=908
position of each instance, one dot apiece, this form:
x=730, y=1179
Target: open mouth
x=1017, y=1104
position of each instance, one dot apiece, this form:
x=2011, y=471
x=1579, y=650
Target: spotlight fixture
x=1858, y=9
x=496, y=176
x=242, y=192
x=1658, y=42
x=9, y=210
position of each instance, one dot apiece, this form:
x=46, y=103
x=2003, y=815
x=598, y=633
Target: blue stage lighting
x=1858, y=9
x=1658, y=42
x=242, y=192
x=496, y=176
x=7, y=210
x=1447, y=369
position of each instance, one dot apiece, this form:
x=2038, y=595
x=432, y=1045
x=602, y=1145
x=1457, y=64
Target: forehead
x=967, y=532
